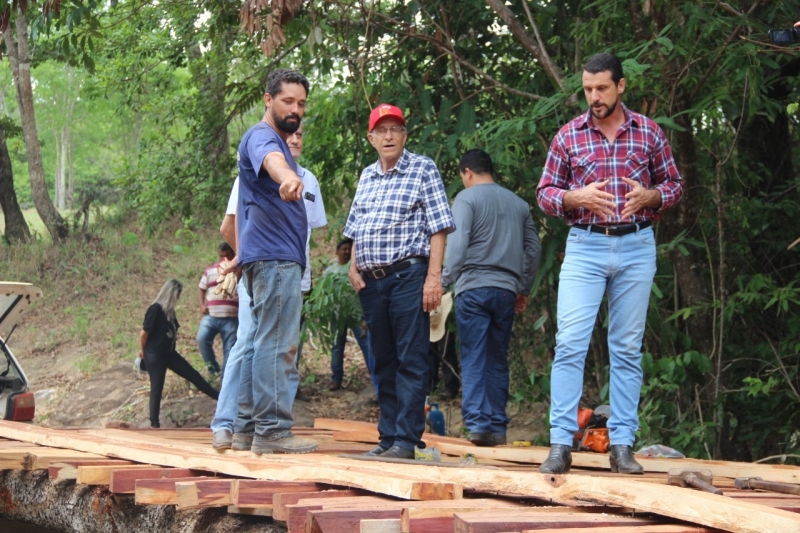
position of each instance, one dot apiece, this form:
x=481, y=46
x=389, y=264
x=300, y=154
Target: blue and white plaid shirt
x=395, y=213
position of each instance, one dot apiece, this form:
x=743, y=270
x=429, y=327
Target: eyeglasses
x=381, y=132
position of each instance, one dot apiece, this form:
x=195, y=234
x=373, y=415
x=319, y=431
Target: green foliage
x=332, y=307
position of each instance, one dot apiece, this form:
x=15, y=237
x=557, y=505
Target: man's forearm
x=277, y=167
x=437, y=253
x=228, y=231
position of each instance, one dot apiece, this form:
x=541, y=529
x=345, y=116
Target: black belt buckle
x=379, y=273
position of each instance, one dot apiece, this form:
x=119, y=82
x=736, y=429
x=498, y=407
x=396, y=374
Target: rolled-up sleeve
x=533, y=252
x=553, y=184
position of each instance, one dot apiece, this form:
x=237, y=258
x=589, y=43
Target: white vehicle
x=16, y=401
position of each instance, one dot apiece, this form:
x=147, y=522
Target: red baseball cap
x=385, y=110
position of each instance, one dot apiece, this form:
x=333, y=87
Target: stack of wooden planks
x=325, y=492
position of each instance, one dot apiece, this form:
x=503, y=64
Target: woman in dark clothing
x=157, y=341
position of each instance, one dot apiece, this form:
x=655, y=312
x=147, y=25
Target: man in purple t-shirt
x=272, y=225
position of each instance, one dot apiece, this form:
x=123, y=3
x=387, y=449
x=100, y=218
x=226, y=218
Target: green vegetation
x=148, y=102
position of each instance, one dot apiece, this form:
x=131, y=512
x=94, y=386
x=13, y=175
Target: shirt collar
x=401, y=166
x=630, y=119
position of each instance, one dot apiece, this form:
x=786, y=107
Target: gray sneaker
x=242, y=442
x=290, y=444
x=222, y=440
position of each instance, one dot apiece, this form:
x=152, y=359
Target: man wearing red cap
x=398, y=222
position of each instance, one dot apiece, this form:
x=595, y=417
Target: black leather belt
x=403, y=264
x=614, y=231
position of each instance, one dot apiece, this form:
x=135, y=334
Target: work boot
x=499, y=439
x=396, y=452
x=378, y=450
x=481, y=439
x=622, y=460
x=242, y=442
x=222, y=440
x=290, y=444
x=558, y=461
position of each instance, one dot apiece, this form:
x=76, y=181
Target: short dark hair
x=279, y=76
x=477, y=161
x=605, y=62
x=343, y=242
x=226, y=248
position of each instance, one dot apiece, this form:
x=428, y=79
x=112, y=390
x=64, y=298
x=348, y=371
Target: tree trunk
x=19, y=56
x=70, y=171
x=30, y=496
x=16, y=228
x=58, y=178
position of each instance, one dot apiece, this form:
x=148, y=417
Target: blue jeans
x=229, y=393
x=400, y=337
x=484, y=318
x=264, y=390
x=210, y=327
x=337, y=354
x=624, y=267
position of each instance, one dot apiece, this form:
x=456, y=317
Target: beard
x=285, y=125
x=603, y=112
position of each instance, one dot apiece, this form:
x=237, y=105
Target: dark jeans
x=157, y=365
x=443, y=353
x=484, y=317
x=337, y=354
x=400, y=332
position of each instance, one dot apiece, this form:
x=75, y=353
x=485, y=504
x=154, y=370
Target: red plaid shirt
x=580, y=154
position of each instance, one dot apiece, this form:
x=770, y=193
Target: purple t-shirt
x=269, y=228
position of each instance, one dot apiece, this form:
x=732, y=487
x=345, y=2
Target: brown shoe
x=333, y=385
x=290, y=444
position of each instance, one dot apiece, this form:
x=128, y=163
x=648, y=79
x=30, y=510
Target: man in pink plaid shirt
x=609, y=173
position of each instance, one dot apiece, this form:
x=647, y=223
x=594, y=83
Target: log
x=30, y=496
x=124, y=481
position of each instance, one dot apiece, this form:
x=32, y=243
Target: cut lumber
x=124, y=481
x=662, y=528
x=344, y=425
x=323, y=521
x=297, y=513
x=274, y=467
x=519, y=519
x=101, y=475
x=251, y=511
x=253, y=493
x=208, y=493
x=159, y=491
x=380, y=526
x=439, y=518
x=280, y=500
x=69, y=469
x=39, y=458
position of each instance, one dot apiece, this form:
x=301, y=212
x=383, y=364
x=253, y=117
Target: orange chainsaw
x=592, y=434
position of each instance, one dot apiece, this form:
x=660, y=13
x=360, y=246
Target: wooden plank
x=298, y=512
x=69, y=469
x=39, y=458
x=275, y=467
x=380, y=526
x=343, y=514
x=208, y=493
x=661, y=528
x=252, y=493
x=281, y=500
x=430, y=518
x=534, y=519
x=101, y=475
x=159, y=491
x=250, y=511
x=124, y=481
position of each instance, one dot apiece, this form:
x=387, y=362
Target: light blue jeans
x=268, y=375
x=228, y=395
x=210, y=326
x=595, y=264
